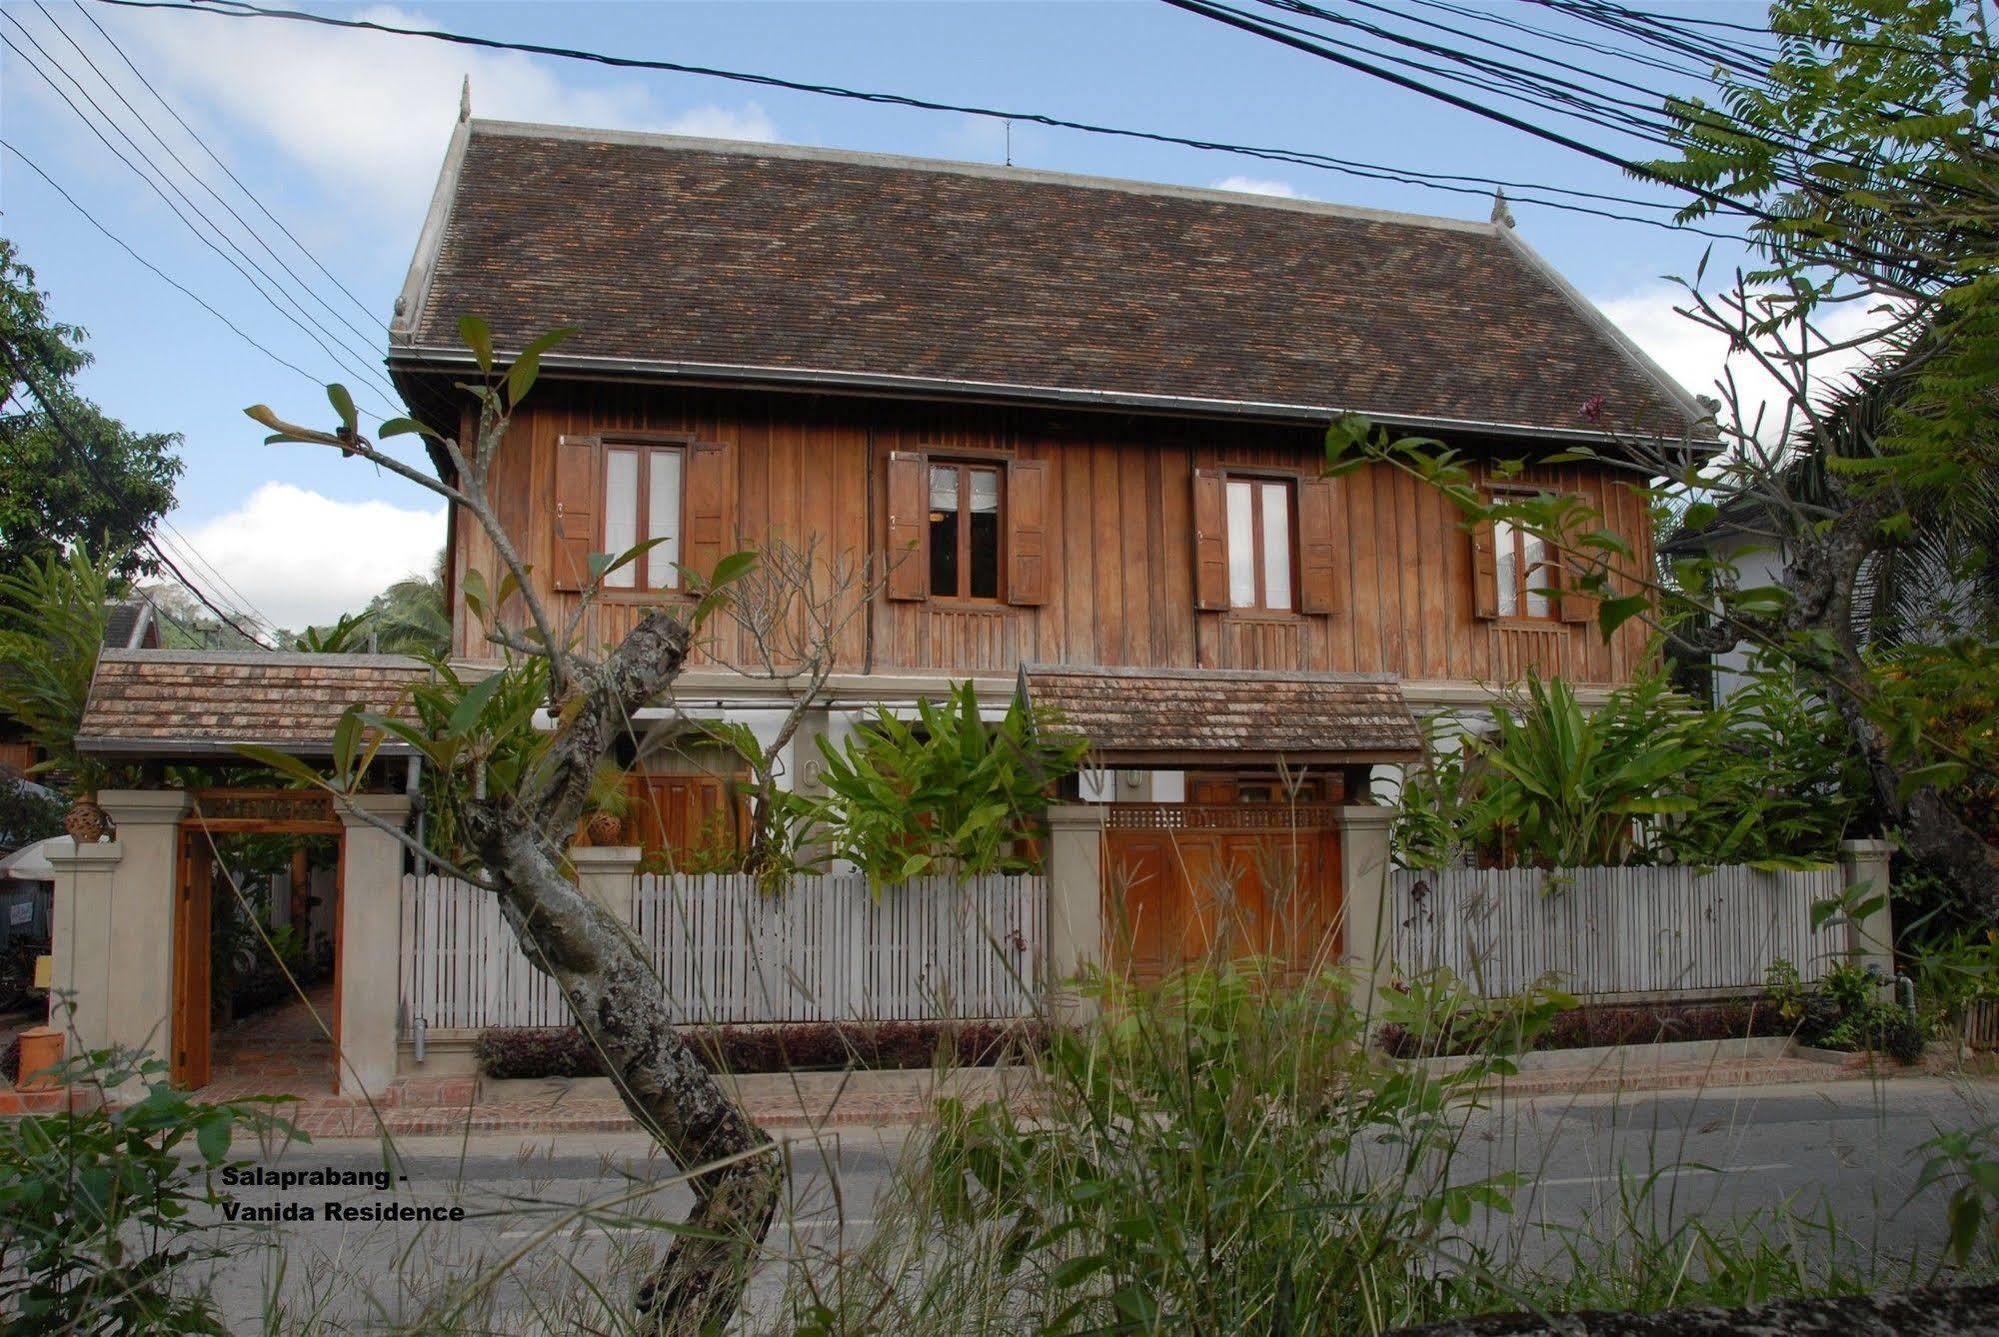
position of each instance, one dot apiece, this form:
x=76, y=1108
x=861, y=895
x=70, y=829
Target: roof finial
x=1501, y=215
x=465, y=100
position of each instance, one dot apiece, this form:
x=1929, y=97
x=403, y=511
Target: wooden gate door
x=192, y=1002
x=1183, y=881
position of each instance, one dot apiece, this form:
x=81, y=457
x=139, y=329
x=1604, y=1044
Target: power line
x=196, y=177
x=311, y=331
x=241, y=9
x=1712, y=198
x=217, y=159
x=89, y=463
x=436, y=400
x=161, y=274
x=240, y=602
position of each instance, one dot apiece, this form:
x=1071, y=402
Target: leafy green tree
x=516, y=795
x=410, y=617
x=407, y=618
x=1863, y=159
x=53, y=612
x=50, y=496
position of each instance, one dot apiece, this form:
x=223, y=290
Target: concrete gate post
x=1364, y=867
x=1870, y=940
x=1075, y=880
x=371, y=916
x=114, y=928
x=604, y=873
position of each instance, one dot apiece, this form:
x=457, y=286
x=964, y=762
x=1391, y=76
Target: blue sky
x=339, y=135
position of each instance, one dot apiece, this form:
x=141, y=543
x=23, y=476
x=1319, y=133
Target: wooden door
x=192, y=1000
x=1184, y=881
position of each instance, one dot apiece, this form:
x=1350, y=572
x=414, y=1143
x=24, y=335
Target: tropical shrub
x=947, y=792
x=1216, y=1153
x=28, y=813
x=97, y=1225
x=1763, y=779
x=1844, y=1011
x=1771, y=778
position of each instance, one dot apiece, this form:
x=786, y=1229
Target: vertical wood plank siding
x=1604, y=932
x=1119, y=538
x=727, y=953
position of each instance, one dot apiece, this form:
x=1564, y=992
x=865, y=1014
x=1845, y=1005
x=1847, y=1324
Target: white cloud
x=749, y=121
x=368, y=113
x=1258, y=185
x=301, y=558
x=1696, y=356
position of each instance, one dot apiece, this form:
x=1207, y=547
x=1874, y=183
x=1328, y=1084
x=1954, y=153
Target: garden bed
x=1604, y=1025
x=802, y=1047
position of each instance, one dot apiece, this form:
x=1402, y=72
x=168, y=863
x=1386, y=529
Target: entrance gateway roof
x=177, y=704
x=1179, y=717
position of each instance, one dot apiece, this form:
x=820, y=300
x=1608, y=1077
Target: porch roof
x=1188, y=717
x=177, y=704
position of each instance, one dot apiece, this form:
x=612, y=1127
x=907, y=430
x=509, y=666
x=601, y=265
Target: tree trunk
x=1943, y=1312
x=735, y=1171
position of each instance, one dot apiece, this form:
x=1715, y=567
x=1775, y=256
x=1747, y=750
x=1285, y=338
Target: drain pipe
x=1905, y=993
x=413, y=787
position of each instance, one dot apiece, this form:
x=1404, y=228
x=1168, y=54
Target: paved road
x=1850, y=1149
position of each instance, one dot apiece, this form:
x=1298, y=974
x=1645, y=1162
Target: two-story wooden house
x=1081, y=420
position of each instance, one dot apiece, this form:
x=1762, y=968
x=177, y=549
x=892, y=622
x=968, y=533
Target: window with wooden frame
x=642, y=505
x=964, y=537
x=1268, y=543
x=1260, y=544
x=613, y=493
x=965, y=529
x=1518, y=577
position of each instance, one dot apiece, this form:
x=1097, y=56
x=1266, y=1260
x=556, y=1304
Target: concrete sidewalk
x=783, y=1101
x=417, y=1106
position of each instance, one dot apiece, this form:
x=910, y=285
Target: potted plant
x=85, y=821
x=609, y=804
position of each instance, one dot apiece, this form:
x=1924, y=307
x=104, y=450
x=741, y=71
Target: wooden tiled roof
x=1161, y=715
x=181, y=703
x=699, y=258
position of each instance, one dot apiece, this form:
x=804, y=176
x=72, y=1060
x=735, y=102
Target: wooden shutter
x=1322, y=544
x=908, y=511
x=1027, y=532
x=1573, y=603
x=1484, y=566
x=1211, y=540
x=704, y=535
x=578, y=481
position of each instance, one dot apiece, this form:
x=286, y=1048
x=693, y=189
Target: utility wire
x=436, y=400
x=216, y=158
x=161, y=274
x=241, y=9
x=198, y=179
x=82, y=451
x=1715, y=199
x=311, y=331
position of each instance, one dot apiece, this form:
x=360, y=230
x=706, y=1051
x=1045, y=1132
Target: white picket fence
x=824, y=949
x=1610, y=931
